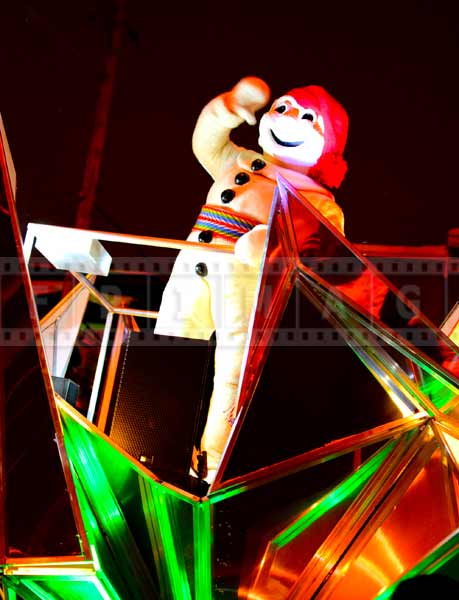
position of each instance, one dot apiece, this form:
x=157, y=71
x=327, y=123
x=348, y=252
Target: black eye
x=308, y=116
x=280, y=109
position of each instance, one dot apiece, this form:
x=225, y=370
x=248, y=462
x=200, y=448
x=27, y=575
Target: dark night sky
x=394, y=66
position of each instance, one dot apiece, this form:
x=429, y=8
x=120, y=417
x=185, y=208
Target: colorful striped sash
x=224, y=222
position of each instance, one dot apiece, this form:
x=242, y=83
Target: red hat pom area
x=329, y=170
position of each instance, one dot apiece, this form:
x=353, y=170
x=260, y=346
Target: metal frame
x=5, y=169
x=416, y=437
x=35, y=230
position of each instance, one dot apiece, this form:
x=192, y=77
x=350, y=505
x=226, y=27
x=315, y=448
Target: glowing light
x=387, y=550
x=405, y=410
x=37, y=589
x=338, y=495
x=202, y=550
x=102, y=591
x=372, y=570
x=453, y=445
x=44, y=571
x=439, y=391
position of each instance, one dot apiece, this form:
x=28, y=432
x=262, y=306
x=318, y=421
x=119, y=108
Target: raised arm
x=211, y=137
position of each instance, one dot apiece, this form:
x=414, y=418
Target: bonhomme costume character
x=303, y=137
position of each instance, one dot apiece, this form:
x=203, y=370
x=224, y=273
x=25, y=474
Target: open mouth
x=282, y=143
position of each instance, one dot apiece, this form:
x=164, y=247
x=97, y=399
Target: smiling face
x=292, y=134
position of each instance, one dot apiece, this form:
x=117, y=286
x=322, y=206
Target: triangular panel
x=340, y=264
x=245, y=522
x=165, y=532
x=38, y=511
x=314, y=389
x=400, y=542
x=436, y=387
x=289, y=551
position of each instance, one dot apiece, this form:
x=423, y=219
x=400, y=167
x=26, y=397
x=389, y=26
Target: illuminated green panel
x=105, y=565
x=182, y=534
x=436, y=389
x=71, y=589
x=171, y=530
x=346, y=489
x=158, y=506
x=202, y=550
x=444, y=559
x=181, y=541
x=103, y=516
x=61, y=588
x=31, y=590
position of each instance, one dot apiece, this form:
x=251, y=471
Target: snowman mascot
x=303, y=137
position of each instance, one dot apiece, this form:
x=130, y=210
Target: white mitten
x=241, y=103
x=249, y=247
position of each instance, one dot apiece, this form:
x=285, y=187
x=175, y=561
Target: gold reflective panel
x=400, y=542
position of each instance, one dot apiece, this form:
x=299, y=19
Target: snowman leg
x=224, y=400
x=232, y=322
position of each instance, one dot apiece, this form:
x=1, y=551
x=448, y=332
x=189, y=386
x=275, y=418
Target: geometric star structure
x=346, y=508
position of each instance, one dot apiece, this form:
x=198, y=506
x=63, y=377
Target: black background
x=392, y=65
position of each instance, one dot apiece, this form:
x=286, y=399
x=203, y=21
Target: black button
x=258, y=164
x=205, y=236
x=227, y=195
x=201, y=269
x=241, y=178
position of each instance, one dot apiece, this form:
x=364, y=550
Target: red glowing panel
x=418, y=523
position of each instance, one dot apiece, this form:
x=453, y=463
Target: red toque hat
x=331, y=167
